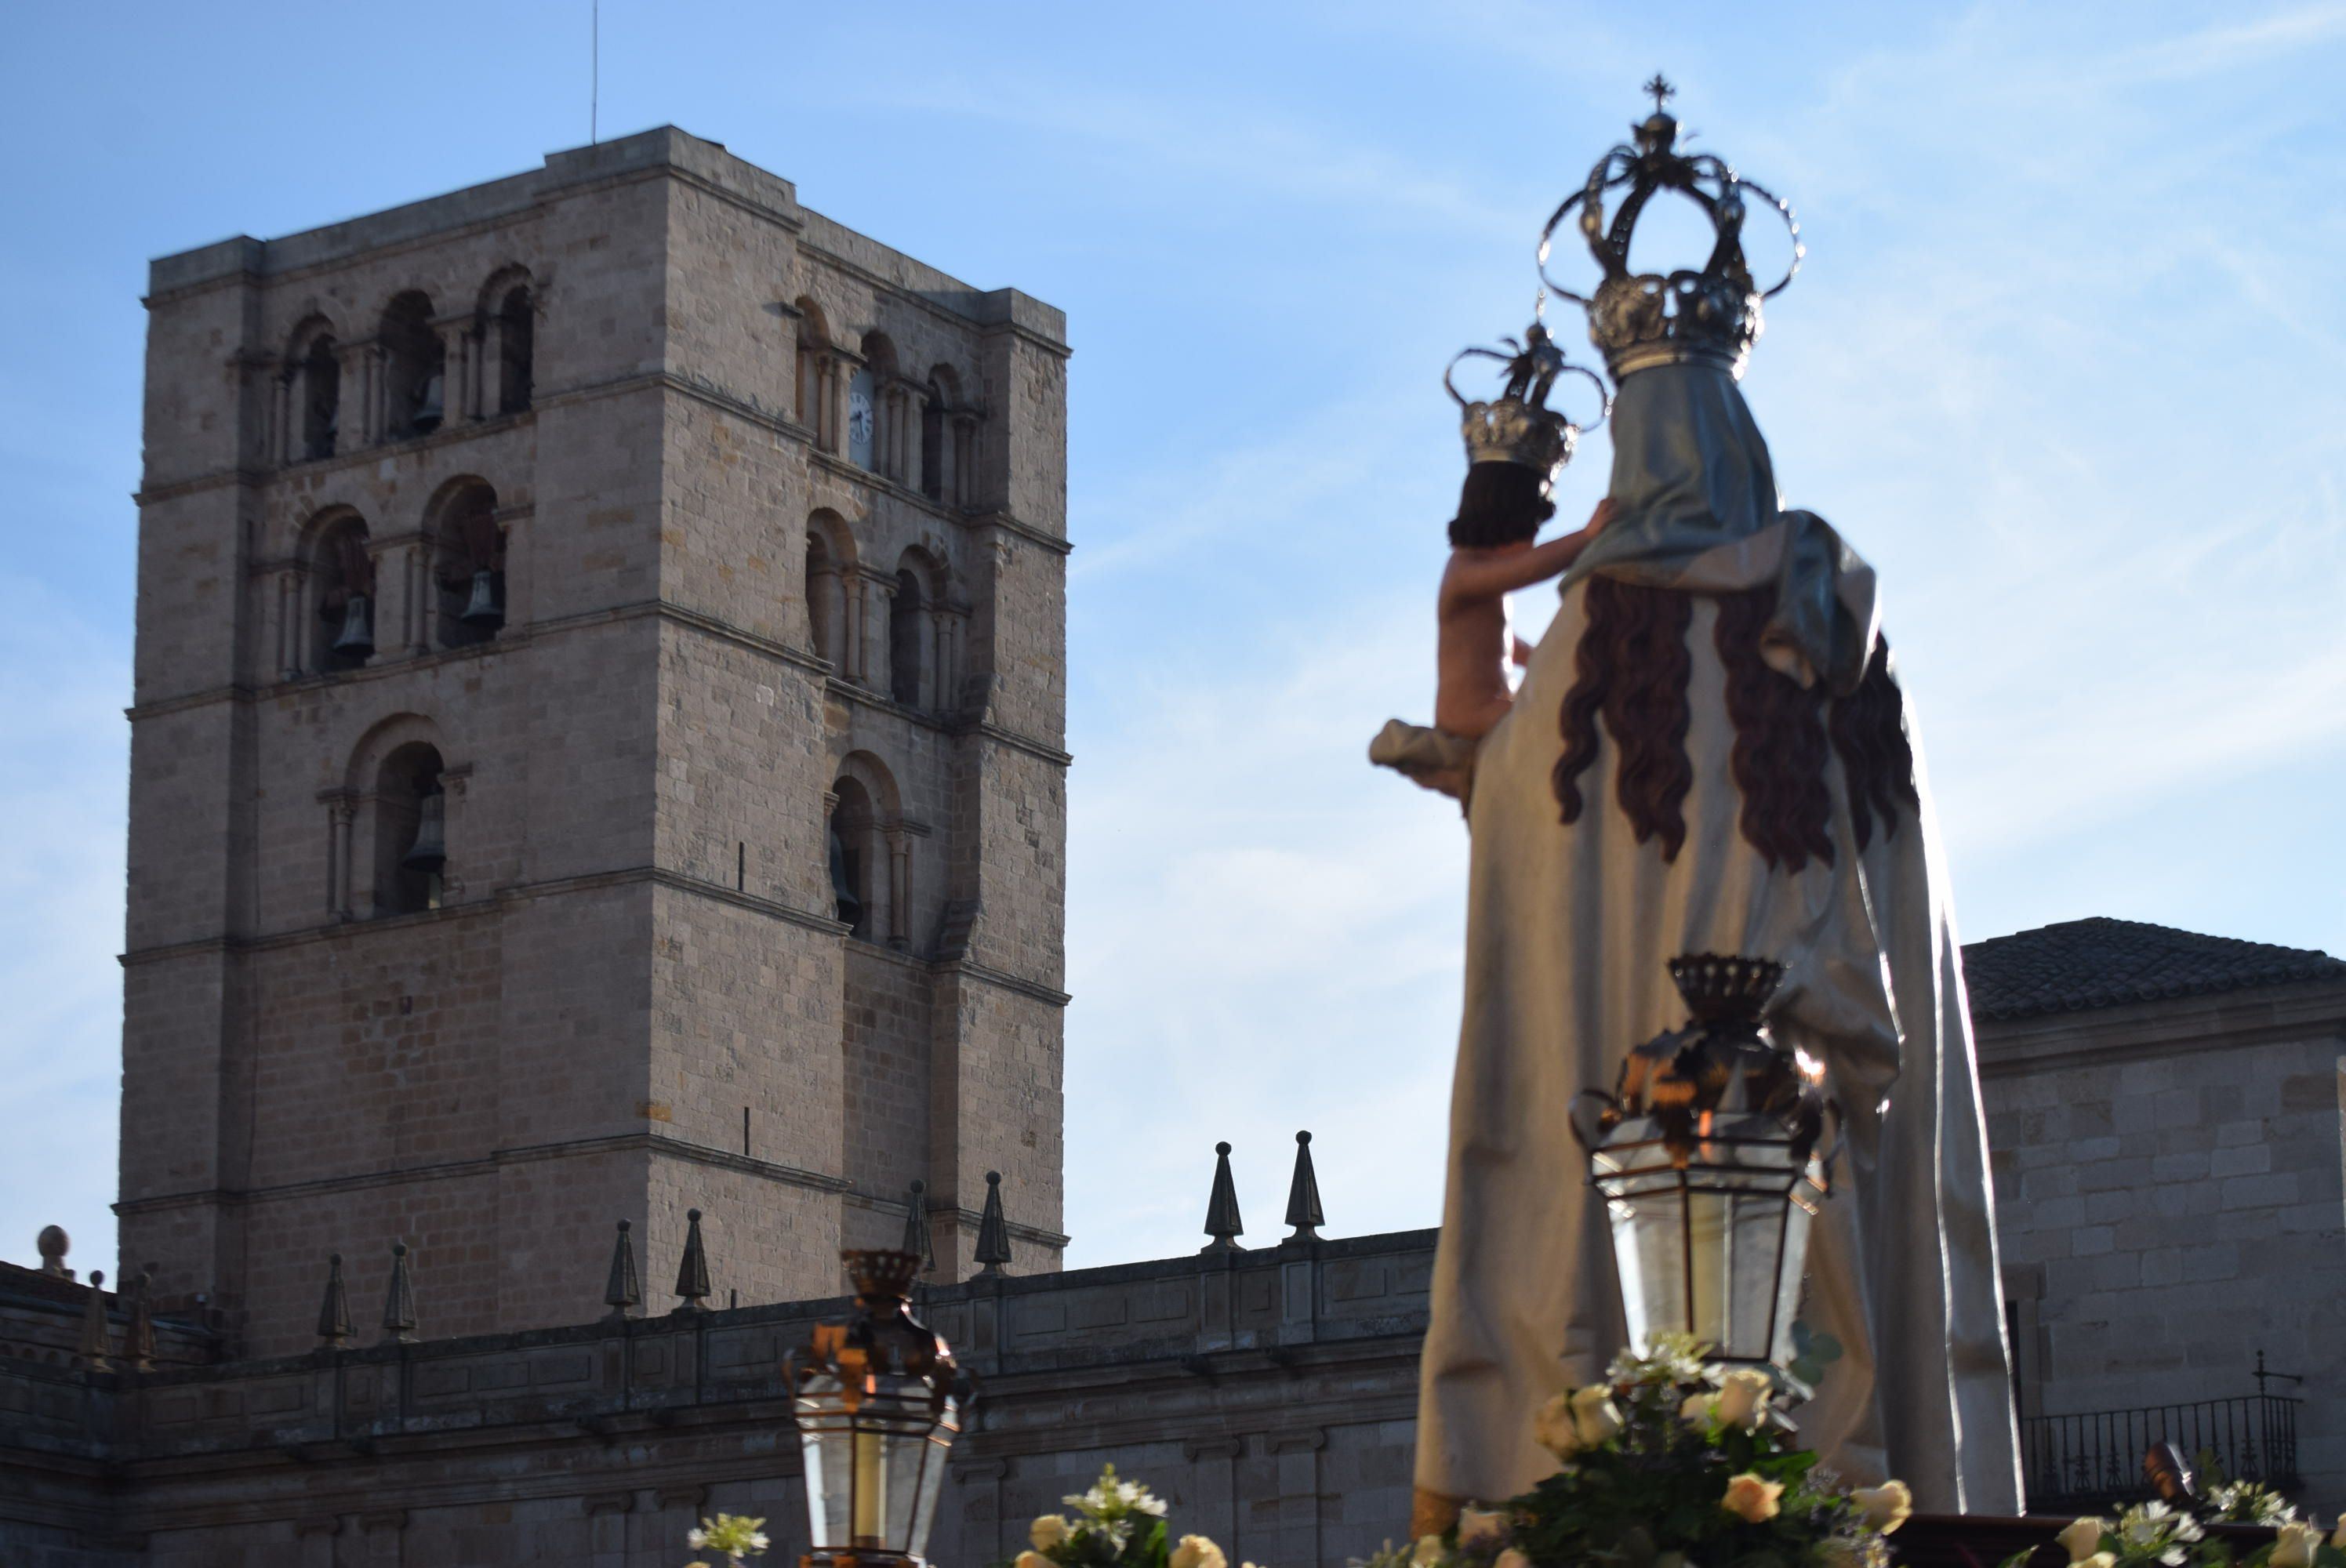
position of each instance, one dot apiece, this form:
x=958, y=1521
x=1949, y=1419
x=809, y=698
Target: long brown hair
x=1633, y=664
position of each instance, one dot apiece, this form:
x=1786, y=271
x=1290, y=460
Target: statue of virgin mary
x=1710, y=753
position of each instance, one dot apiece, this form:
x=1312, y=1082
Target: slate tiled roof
x=2103, y=962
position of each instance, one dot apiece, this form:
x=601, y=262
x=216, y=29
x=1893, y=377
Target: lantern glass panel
x=828, y=1442
x=1715, y=1248
x=873, y=1474
x=922, y=1465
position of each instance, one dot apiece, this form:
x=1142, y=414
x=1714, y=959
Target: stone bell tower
x=596, y=752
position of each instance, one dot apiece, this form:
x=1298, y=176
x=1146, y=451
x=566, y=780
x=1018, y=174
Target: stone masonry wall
x=2168, y=1184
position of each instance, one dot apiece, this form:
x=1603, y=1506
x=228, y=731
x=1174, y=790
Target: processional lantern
x=877, y=1414
x=1706, y=1153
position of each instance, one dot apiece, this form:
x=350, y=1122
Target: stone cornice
x=2233, y=1020
x=511, y=895
x=573, y=1148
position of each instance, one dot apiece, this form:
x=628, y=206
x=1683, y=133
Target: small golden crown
x=1638, y=320
x=1517, y=426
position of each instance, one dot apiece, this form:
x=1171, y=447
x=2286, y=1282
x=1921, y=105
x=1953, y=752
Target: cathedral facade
x=598, y=748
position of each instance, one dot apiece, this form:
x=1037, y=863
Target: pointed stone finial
x=624, y=1294
x=692, y=1272
x=917, y=1240
x=1303, y=1195
x=138, y=1339
x=1223, y=1208
x=334, y=1312
x=398, y=1301
x=993, y=1231
x=95, y=1338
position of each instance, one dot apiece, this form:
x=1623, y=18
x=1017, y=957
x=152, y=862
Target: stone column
x=900, y=887
x=378, y=395
x=964, y=460
x=879, y=592
x=423, y=622
x=290, y=625
x=351, y=430
x=850, y=625
x=491, y=352
x=341, y=809
x=940, y=660
x=453, y=784
x=822, y=628
x=281, y=412
x=457, y=402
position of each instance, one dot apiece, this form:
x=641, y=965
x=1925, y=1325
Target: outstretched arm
x=1491, y=576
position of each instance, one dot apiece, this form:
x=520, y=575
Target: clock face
x=859, y=417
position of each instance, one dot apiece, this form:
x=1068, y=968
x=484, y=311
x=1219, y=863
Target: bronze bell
x=430, y=850
x=485, y=609
x=356, y=639
x=428, y=407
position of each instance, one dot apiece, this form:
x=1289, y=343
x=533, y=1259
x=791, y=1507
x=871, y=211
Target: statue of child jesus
x=1491, y=554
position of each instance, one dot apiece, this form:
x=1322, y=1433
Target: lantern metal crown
x=1640, y=320
x=878, y=1409
x=1706, y=1153
x=1517, y=426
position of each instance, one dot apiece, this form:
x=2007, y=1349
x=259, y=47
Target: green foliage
x=2155, y=1535
x=1116, y=1524
x=1672, y=1462
x=734, y=1535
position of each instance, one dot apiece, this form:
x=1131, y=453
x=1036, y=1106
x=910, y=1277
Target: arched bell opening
x=343, y=571
x=411, y=830
x=907, y=638
x=415, y=369
x=317, y=398
x=516, y=349
x=468, y=568
x=852, y=848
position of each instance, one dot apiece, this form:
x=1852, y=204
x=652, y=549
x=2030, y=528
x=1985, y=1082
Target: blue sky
x=2062, y=365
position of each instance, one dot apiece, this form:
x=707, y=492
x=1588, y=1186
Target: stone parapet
x=1268, y=1395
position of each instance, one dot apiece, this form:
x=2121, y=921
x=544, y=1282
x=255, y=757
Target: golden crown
x=1638, y=320
x=1517, y=426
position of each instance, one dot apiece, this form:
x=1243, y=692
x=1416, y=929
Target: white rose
x=1594, y=1417
x=1750, y=1499
x=2083, y=1538
x=1554, y=1429
x=2293, y=1546
x=1743, y=1398
x=1427, y=1552
x=1696, y=1408
x=1481, y=1527
x=1885, y=1507
x=1051, y=1530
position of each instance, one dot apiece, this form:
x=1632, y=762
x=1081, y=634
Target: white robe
x=1569, y=929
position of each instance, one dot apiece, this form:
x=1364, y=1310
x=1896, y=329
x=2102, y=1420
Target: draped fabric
x=1569, y=929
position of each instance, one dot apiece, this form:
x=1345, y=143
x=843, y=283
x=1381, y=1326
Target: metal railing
x=2083, y=1462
